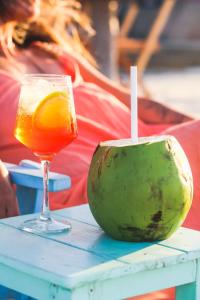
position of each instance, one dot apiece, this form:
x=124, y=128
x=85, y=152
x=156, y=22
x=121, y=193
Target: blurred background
x=161, y=37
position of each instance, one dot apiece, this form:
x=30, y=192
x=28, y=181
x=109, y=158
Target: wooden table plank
x=184, y=239
x=190, y=244
x=81, y=213
x=43, y=257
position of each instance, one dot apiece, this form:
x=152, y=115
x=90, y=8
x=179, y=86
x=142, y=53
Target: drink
x=48, y=126
x=46, y=123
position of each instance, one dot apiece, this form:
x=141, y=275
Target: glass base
x=45, y=226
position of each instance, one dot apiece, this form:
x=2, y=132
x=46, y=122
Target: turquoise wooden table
x=86, y=264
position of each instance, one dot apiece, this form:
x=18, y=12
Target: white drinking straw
x=134, y=105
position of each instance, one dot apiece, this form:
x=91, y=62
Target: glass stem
x=45, y=214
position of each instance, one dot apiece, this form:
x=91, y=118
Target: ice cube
x=42, y=88
x=31, y=95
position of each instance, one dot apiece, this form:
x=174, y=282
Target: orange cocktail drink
x=48, y=124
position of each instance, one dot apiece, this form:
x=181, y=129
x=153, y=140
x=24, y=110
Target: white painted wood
x=81, y=213
x=185, y=239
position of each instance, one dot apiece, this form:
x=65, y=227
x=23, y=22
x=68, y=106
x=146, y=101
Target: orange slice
x=52, y=112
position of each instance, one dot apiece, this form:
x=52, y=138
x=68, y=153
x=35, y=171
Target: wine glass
x=46, y=123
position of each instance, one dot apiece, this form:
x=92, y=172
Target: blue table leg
x=11, y=294
x=30, y=200
x=190, y=291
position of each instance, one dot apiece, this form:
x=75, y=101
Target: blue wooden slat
x=33, y=178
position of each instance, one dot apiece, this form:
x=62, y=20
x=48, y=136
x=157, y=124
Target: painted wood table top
x=87, y=264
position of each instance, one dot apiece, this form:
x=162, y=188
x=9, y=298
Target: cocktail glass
x=46, y=123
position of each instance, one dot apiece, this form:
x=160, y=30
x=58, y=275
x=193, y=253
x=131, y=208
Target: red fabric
x=168, y=294
x=100, y=117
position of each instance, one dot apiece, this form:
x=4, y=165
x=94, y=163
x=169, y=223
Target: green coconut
x=140, y=192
